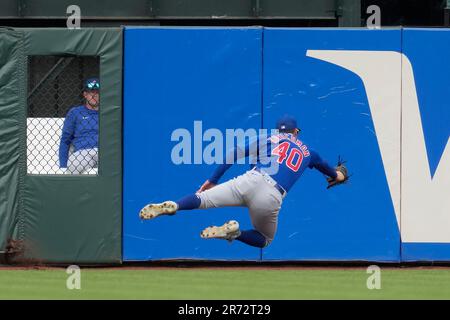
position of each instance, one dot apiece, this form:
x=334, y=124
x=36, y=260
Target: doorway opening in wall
x=63, y=115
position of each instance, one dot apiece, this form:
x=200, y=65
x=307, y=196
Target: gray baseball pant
x=250, y=190
x=82, y=161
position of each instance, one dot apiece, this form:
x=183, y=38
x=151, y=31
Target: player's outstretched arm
x=231, y=157
x=321, y=165
x=249, y=149
x=336, y=176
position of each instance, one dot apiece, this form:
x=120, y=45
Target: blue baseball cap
x=287, y=122
x=92, y=84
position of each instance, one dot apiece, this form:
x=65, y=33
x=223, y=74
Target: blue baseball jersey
x=80, y=129
x=282, y=156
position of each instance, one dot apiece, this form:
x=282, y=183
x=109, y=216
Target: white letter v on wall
x=425, y=210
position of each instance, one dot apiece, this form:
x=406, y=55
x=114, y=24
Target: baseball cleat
x=229, y=231
x=154, y=210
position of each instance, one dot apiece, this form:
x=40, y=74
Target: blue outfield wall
x=173, y=77
x=352, y=222
x=426, y=214
x=344, y=87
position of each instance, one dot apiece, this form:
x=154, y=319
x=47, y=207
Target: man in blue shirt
x=80, y=130
x=281, y=160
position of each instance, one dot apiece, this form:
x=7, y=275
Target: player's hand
x=207, y=185
x=340, y=176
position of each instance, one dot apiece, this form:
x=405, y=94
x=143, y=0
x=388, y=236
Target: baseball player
x=261, y=189
x=80, y=130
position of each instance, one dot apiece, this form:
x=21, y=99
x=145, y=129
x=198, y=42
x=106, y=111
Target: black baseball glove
x=342, y=169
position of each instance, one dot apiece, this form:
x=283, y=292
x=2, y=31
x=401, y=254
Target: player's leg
x=228, y=231
x=264, y=202
x=265, y=228
x=74, y=163
x=88, y=160
x=253, y=238
x=264, y=207
x=223, y=195
x=92, y=159
x=264, y=232
x=153, y=210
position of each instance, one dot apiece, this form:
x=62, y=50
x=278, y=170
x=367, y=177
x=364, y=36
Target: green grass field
x=226, y=284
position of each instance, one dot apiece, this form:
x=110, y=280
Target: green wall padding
x=78, y=219
x=11, y=130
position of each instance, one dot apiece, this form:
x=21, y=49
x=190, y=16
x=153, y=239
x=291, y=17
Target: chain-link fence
x=62, y=120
